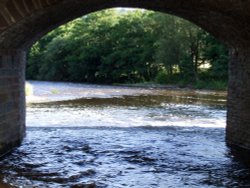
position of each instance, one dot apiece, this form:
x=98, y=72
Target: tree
x=114, y=46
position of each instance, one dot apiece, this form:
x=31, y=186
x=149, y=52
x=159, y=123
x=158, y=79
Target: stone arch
x=24, y=21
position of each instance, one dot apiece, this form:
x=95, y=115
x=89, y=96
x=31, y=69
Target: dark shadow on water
x=139, y=101
x=240, y=154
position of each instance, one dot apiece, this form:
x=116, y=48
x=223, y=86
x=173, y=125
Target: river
x=117, y=137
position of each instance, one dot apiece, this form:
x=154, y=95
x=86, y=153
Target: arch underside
x=25, y=21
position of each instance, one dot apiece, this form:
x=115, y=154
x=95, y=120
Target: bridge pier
x=238, y=116
x=12, y=98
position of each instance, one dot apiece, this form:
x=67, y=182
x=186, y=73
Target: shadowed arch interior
x=26, y=21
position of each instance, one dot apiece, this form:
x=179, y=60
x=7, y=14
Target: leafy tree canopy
x=120, y=46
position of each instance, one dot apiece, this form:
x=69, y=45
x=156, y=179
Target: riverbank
x=42, y=91
x=149, y=85
x=213, y=86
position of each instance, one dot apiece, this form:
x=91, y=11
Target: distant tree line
x=117, y=46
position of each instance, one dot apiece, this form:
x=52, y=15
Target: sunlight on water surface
x=119, y=137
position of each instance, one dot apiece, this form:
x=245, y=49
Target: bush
x=162, y=78
x=212, y=84
x=218, y=85
x=183, y=83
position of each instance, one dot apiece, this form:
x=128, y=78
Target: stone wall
x=11, y=11
x=238, y=118
x=12, y=98
x=24, y=22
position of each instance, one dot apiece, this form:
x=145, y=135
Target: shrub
x=162, y=78
x=211, y=84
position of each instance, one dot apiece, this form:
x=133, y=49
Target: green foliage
x=162, y=77
x=217, y=55
x=212, y=84
x=114, y=46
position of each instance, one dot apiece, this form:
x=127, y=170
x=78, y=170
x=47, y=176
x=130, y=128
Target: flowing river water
x=105, y=136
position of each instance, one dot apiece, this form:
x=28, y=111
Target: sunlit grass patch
x=28, y=89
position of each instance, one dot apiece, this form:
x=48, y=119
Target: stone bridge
x=22, y=22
